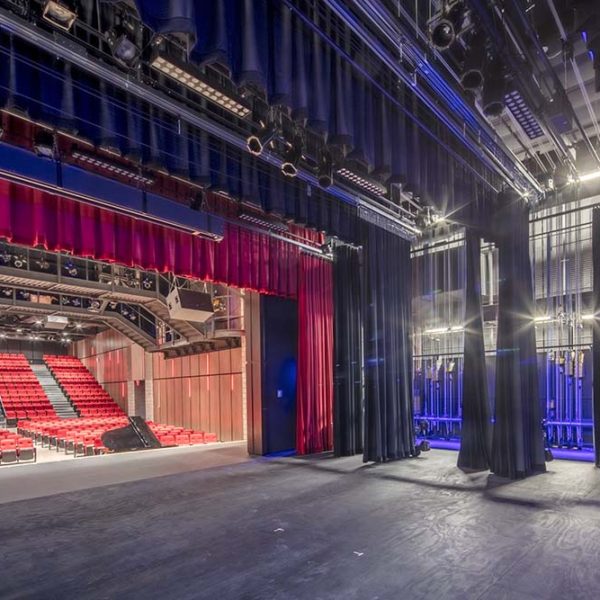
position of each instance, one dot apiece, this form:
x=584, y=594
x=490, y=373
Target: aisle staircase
x=64, y=409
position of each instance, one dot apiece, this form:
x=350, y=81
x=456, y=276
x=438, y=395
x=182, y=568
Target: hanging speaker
x=188, y=305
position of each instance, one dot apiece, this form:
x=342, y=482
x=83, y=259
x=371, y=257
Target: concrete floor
x=298, y=528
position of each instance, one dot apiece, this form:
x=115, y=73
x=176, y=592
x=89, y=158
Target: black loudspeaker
x=188, y=305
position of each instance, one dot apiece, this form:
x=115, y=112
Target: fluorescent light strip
x=164, y=66
x=365, y=184
x=112, y=168
x=453, y=329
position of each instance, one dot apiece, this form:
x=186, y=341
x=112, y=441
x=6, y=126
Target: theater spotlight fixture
x=71, y=269
x=471, y=77
x=59, y=14
x=325, y=168
x=147, y=283
x=192, y=78
x=291, y=157
x=494, y=87
x=257, y=142
x=95, y=306
x=20, y=261
x=43, y=264
x=447, y=25
x=121, y=44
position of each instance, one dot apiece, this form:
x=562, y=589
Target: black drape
x=596, y=334
x=348, y=388
x=388, y=354
x=518, y=444
x=475, y=446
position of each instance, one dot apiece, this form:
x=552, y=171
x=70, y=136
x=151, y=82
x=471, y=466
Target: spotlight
x=19, y=330
x=291, y=157
x=147, y=283
x=7, y=292
x=78, y=326
x=325, y=169
x=472, y=72
x=23, y=295
x=95, y=305
x=20, y=261
x=112, y=305
x=76, y=302
x=132, y=317
x=38, y=322
x=43, y=264
x=446, y=26
x=492, y=97
x=257, y=142
x=119, y=40
x=71, y=269
x=59, y=14
x=5, y=257
x=43, y=144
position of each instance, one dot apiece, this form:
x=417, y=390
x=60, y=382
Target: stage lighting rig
x=59, y=13
x=451, y=22
x=292, y=156
x=121, y=40
x=257, y=142
x=44, y=144
x=325, y=168
x=471, y=77
x=195, y=80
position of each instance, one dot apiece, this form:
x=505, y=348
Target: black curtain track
x=389, y=432
x=518, y=443
x=348, y=385
x=475, y=446
x=596, y=334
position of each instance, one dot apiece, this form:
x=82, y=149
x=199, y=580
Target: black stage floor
x=306, y=528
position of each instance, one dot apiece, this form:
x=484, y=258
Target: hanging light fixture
x=445, y=27
x=325, y=168
x=494, y=86
x=292, y=156
x=257, y=142
x=59, y=13
x=471, y=77
x=43, y=144
x=122, y=44
x=192, y=78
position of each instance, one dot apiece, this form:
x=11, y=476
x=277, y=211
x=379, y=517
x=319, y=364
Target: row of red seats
x=21, y=394
x=169, y=435
x=80, y=437
x=14, y=447
x=82, y=389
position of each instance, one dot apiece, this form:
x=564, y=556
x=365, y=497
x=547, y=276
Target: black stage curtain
x=348, y=385
x=596, y=338
x=475, y=444
x=387, y=287
x=518, y=443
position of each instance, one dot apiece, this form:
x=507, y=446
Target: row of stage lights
x=123, y=40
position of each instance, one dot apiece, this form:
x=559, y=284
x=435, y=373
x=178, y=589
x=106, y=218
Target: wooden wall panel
x=225, y=416
x=237, y=409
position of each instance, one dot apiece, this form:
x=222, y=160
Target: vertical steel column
x=596, y=334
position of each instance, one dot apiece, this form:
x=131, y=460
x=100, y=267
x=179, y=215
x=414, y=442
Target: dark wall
x=279, y=328
x=33, y=350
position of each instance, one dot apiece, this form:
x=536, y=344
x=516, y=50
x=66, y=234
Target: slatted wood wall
x=202, y=391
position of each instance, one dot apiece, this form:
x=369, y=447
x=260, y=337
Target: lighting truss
x=112, y=167
x=523, y=115
x=369, y=185
x=263, y=222
x=191, y=78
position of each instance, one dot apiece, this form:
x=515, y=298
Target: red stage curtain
x=242, y=259
x=314, y=404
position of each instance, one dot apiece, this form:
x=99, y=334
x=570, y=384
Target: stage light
x=589, y=176
x=189, y=76
x=2, y=335
x=367, y=184
x=257, y=142
x=523, y=115
x=492, y=96
x=147, y=283
x=447, y=25
x=94, y=306
x=471, y=77
x=59, y=14
x=590, y=317
x=5, y=257
x=71, y=269
x=20, y=261
x=122, y=47
x=543, y=319
x=43, y=264
x=38, y=322
x=325, y=169
x=19, y=330
x=7, y=292
x=292, y=156
x=78, y=326
x=112, y=167
x=264, y=222
x=43, y=144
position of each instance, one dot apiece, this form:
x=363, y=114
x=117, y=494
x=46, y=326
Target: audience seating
x=80, y=437
x=169, y=435
x=86, y=395
x=21, y=394
x=15, y=448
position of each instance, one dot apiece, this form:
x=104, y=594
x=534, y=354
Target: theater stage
x=216, y=525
